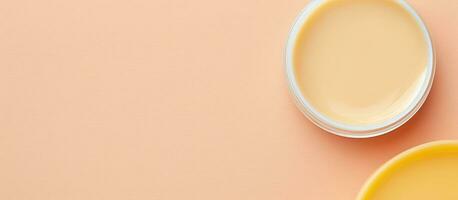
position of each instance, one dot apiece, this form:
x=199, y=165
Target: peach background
x=180, y=99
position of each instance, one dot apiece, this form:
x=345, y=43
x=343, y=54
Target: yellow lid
x=428, y=171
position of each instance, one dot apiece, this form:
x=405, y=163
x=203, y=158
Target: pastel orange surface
x=179, y=99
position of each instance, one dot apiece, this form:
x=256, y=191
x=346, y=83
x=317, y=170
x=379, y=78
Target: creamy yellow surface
x=360, y=62
x=427, y=174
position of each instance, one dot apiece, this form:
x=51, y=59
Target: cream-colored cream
x=360, y=62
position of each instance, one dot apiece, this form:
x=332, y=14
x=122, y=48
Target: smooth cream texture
x=425, y=174
x=360, y=62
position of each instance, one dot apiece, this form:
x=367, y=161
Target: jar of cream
x=359, y=68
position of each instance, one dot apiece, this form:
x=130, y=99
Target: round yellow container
x=428, y=171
